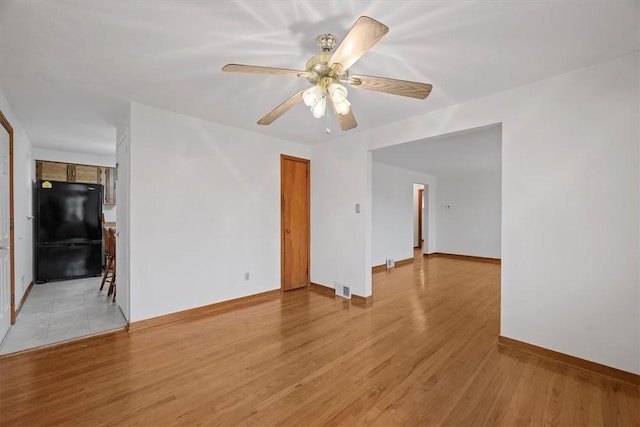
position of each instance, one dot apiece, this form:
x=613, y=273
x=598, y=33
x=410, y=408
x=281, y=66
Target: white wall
x=570, y=207
x=23, y=181
x=205, y=208
x=469, y=211
x=82, y=159
x=340, y=237
x=75, y=157
x=393, y=212
x=123, y=240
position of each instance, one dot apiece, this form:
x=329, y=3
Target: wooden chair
x=112, y=285
x=110, y=267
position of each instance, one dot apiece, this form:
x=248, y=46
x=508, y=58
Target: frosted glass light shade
x=337, y=92
x=342, y=107
x=319, y=108
x=312, y=95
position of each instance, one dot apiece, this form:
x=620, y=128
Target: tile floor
x=60, y=311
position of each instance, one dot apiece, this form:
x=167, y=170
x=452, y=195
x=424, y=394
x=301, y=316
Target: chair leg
x=112, y=287
x=107, y=270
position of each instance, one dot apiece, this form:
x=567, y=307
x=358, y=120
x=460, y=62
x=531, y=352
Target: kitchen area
x=73, y=203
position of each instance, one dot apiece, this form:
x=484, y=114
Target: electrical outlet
x=246, y=275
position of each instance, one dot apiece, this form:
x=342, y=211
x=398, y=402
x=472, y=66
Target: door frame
x=284, y=157
x=12, y=261
x=420, y=214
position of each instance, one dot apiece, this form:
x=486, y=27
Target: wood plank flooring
x=424, y=353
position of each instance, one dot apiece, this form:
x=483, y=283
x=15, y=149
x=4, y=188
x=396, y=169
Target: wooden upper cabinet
x=71, y=172
x=108, y=180
x=84, y=173
x=52, y=171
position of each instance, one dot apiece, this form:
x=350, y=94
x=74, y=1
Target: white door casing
x=5, y=235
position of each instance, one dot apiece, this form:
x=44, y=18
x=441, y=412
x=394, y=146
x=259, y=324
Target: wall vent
x=390, y=263
x=343, y=290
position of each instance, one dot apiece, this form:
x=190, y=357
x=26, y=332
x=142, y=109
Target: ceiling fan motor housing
x=318, y=66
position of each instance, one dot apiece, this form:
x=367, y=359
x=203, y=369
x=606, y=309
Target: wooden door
x=295, y=222
x=6, y=228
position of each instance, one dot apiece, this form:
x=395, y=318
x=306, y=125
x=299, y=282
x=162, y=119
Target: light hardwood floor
x=424, y=353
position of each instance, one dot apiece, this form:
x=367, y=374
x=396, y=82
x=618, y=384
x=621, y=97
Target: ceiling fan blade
x=281, y=109
x=347, y=121
x=396, y=87
x=253, y=69
x=365, y=33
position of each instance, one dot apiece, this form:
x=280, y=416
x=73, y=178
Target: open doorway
x=460, y=213
x=71, y=306
x=418, y=218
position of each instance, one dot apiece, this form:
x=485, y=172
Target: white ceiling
x=470, y=151
x=69, y=68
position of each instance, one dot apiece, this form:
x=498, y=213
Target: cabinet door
x=107, y=179
x=86, y=174
x=51, y=171
x=110, y=186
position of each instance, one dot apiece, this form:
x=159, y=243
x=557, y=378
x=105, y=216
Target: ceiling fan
x=330, y=68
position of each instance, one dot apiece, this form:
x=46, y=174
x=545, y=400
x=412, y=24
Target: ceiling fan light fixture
x=320, y=108
x=337, y=92
x=312, y=95
x=342, y=107
x=338, y=95
x=327, y=69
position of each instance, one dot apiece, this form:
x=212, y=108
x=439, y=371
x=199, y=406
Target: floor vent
x=343, y=290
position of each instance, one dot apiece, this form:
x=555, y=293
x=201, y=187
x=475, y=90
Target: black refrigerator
x=68, y=230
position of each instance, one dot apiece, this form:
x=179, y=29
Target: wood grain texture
x=329, y=291
x=464, y=257
x=205, y=310
x=569, y=360
x=295, y=220
x=393, y=86
x=346, y=121
x=24, y=297
x=423, y=354
x=405, y=261
x=322, y=289
x=52, y=171
x=378, y=268
x=399, y=263
x=358, y=299
x=253, y=69
x=12, y=238
x=86, y=174
x=274, y=114
x=364, y=34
